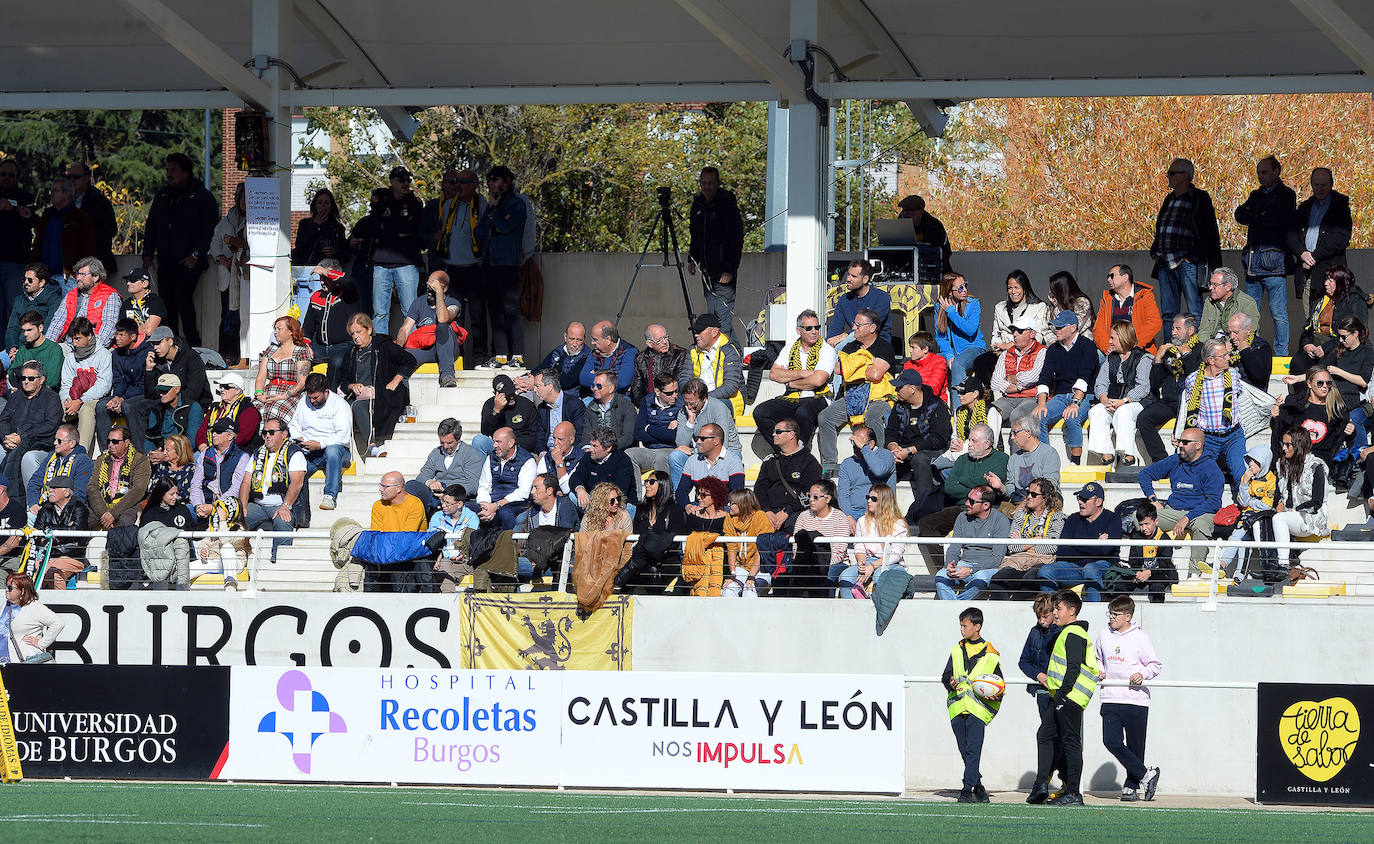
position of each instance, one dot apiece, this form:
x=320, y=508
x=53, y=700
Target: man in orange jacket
x=1127, y=299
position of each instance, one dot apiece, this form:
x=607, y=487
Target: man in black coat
x=1320, y=234
x=508, y=409
x=786, y=476
x=16, y=232
x=28, y=422
x=176, y=240
x=1267, y=215
x=716, y=228
x=98, y=207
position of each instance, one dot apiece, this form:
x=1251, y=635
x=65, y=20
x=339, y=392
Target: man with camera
x=431, y=332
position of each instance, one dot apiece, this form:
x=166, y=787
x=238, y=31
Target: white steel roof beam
x=726, y=26
x=893, y=58
x=201, y=51
x=1348, y=36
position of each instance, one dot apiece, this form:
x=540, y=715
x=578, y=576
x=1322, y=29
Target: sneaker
x=516, y=362
x=376, y=451
x=1151, y=782
x=1040, y=792
x=489, y=363
x=498, y=362
x=448, y=381
x=327, y=503
x=965, y=796
x=1129, y=795
x=980, y=795
x=1068, y=798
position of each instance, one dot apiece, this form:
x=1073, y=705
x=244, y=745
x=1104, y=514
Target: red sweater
x=934, y=371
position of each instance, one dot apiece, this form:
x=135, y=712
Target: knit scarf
x=1037, y=531
x=1175, y=356
x=794, y=363
x=57, y=467
x=1314, y=323
x=278, y=482
x=232, y=411
x=446, y=226
x=125, y=476
x=1195, y=400
x=139, y=307
x=966, y=417
x=83, y=352
x=613, y=361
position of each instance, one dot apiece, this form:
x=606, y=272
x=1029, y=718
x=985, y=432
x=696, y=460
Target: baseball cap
x=1064, y=318
x=1023, y=323
x=160, y=333
x=972, y=384
x=137, y=274
x=229, y=379
x=912, y=202
x=503, y=384
x=167, y=381
x=224, y=426
x=704, y=322
x=1092, y=489
x=908, y=378
x=400, y=173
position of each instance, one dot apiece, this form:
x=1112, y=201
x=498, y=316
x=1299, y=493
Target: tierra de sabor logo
x=96, y=737
x=1319, y=737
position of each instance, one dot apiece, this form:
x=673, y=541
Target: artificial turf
x=89, y=811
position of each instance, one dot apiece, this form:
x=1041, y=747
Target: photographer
x=431, y=332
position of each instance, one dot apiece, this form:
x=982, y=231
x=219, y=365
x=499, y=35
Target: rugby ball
x=988, y=686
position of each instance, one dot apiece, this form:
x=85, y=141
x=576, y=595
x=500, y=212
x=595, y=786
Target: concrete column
x=805, y=169
x=270, y=287
x=775, y=197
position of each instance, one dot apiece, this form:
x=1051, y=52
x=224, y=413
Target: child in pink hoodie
x=1125, y=652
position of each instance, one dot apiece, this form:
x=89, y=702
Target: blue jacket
x=568, y=367
x=847, y=307
x=501, y=231
x=1065, y=367
x=564, y=514
x=1035, y=656
x=127, y=367
x=651, y=426
x=574, y=411
x=853, y=483
x=81, y=466
x=1195, y=487
x=624, y=371
x=383, y=547
x=964, y=331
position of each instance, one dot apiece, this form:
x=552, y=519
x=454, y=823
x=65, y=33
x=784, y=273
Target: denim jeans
x=850, y=576
x=1360, y=438
x=959, y=364
x=1228, y=450
x=1073, y=428
x=484, y=444
x=258, y=517
x=1181, y=281
x=444, y=351
x=1274, y=287
x=949, y=589
x=330, y=460
x=1062, y=574
x=720, y=299
x=404, y=280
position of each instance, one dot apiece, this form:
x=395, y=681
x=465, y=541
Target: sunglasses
x=777, y=431
x=39, y=377
x=1314, y=383
x=1178, y=172
x=814, y=497
x=273, y=431
x=614, y=502
x=705, y=437
x=1181, y=442
x=1030, y=493
x=871, y=497
x=648, y=481
x=113, y=441
x=671, y=392
x=810, y=328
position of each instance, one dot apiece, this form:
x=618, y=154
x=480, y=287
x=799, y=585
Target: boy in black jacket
x=1035, y=661
x=1153, y=564
x=1071, y=681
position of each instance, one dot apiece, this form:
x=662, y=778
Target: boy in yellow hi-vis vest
x=1071, y=681
x=970, y=714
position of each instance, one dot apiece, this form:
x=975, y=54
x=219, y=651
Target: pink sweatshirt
x=1120, y=655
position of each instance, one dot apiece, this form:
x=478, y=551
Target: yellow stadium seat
x=1314, y=589
x=427, y=369
x=1282, y=365
x=1198, y=588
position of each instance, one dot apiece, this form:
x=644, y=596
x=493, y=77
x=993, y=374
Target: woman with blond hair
x=746, y=518
x=958, y=328
x=1122, y=382
x=606, y=510
x=1040, y=515
x=881, y=520
x=175, y=461
x=281, y=371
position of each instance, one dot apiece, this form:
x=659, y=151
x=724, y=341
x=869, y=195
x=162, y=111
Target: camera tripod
x=663, y=217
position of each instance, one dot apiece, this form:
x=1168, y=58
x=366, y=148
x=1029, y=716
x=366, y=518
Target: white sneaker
x=516, y=362
x=327, y=503
x=489, y=363
x=1150, y=783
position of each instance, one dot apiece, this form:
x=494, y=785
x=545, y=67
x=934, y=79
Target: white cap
x=229, y=379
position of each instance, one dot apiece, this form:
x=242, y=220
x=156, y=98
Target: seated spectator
x=1129, y=300
x=970, y=565
x=395, y=509
x=979, y=463
x=1302, y=495
x=508, y=409
x=322, y=425
x=882, y=520
x=1016, y=377
x=166, y=555
x=824, y=517
x=128, y=363
x=1255, y=497
x=958, y=329
x=698, y=410
x=40, y=295
x=91, y=298
x=1123, y=381
x=119, y=482
x=12, y=517
x=918, y=431
x=548, y=507
x=220, y=470
x=1084, y=564
x=168, y=407
x=1195, y=497
x=28, y=422
x=746, y=519
x=325, y=325
x=706, y=515
x=1066, y=295
x=432, y=333
x=374, y=377
x=145, y=308
x=710, y=460
x=1251, y=354
x=1069, y=372
x=1320, y=410
x=975, y=408
x=175, y=460
x=604, y=463
x=864, y=365
x=274, y=494
x=656, y=425
x=555, y=405
x=870, y=465
x=86, y=378
x=609, y=408
x=1349, y=360
x=605, y=510
x=805, y=377
x=923, y=356
x=608, y=352
x=37, y=347
x=785, y=475
x=562, y=457
x=1032, y=459
x=1210, y=399
x=860, y=293
x=507, y=476
x=566, y=361
x=1225, y=301
x=1039, y=516
x=1022, y=306
x=1174, y=362
x=716, y=361
x=234, y=406
x=452, y=462
x=452, y=518
x=1153, y=564
x=657, y=520
x=68, y=459
x=282, y=370
x=62, y=509
x=1343, y=298
x=661, y=356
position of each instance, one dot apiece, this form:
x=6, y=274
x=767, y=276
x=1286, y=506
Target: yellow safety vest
x=736, y=401
x=962, y=698
x=1086, y=684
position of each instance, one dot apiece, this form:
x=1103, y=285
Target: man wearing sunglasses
x=656, y=425
x=971, y=564
x=786, y=476
x=1195, y=483
x=710, y=460
x=804, y=372
x=28, y=421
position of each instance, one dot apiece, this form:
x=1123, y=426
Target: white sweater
x=35, y=619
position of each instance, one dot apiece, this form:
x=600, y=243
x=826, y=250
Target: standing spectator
x=1174, y=362
x=62, y=510
x=1320, y=234
x=86, y=378
x=1066, y=295
x=568, y=360
x=1187, y=242
x=396, y=249
x=555, y=406
x=362, y=241
x=327, y=314
x=805, y=379
x=37, y=348
x=1039, y=516
x=716, y=230
x=1267, y=215
x=1210, y=399
x=91, y=298
x=97, y=206
x=507, y=476
x=188, y=396
x=1125, y=299
x=609, y=408
x=870, y=465
x=929, y=230
x=1122, y=383
x=604, y=463
x=28, y=421
x=609, y=351
x=1225, y=300
x=282, y=369
x=452, y=462
x=374, y=374
x=1125, y=652
x=1030, y=459
x=656, y=425
x=395, y=509
x=787, y=473
x=881, y=520
x=716, y=361
x=229, y=252
x=500, y=233
x=958, y=326
x=1154, y=564
x=918, y=431
x=176, y=240
x=1343, y=299
x=660, y=355
x=864, y=366
x=1301, y=497
x=923, y=356
x=274, y=493
x=144, y=307
x=1084, y=564
x=322, y=425
x=1016, y=378
x=1070, y=370
x=320, y=236
x=823, y=518
x=1035, y=662
x=1195, y=497
x=970, y=713
x=63, y=234
x=1022, y=306
x=431, y=332
x=1251, y=354
x=39, y=294
x=711, y=460
x=16, y=230
x=1071, y=681
x=508, y=409
x=234, y=406
x=859, y=295
x=68, y=460
x=128, y=362
x=450, y=227
x=971, y=564
x=119, y=482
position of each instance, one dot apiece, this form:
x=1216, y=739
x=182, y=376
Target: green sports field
x=81, y=811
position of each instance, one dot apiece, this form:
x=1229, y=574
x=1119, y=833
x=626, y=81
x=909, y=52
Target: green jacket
x=1215, y=318
x=49, y=354
x=968, y=473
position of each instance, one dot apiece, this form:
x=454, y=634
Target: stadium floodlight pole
x=667, y=237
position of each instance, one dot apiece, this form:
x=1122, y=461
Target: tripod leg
x=670, y=232
x=640, y=265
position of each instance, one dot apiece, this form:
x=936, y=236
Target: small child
x=1255, y=494
x=1125, y=652
x=969, y=714
x=1071, y=681
x=1153, y=564
x=923, y=356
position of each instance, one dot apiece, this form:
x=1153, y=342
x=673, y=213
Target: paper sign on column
x=263, y=198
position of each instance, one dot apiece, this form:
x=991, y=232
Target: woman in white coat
x=28, y=626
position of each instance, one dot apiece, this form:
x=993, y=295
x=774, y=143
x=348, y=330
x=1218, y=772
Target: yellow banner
x=10, y=769
x=543, y=631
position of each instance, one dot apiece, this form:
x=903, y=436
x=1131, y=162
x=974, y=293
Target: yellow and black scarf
x=1174, y=357
x=1314, y=323
x=125, y=478
x=794, y=363
x=1195, y=400
x=279, y=481
x=232, y=412
x=1037, y=531
x=1235, y=355
x=966, y=417
x=446, y=226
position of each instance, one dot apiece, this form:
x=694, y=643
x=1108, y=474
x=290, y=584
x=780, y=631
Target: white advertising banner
x=768, y=732
x=385, y=725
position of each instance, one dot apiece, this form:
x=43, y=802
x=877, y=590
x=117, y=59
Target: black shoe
x=1040, y=792
x=980, y=795
x=1068, y=798
x=965, y=796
